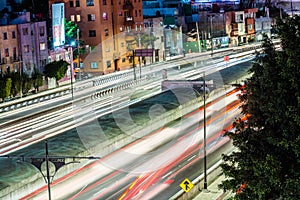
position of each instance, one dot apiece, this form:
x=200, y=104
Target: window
x=71, y=4
x=250, y=27
x=119, y=2
x=106, y=32
x=15, y=53
x=5, y=36
x=89, y=2
x=6, y=51
x=140, y=12
x=120, y=13
x=77, y=3
x=108, y=64
x=91, y=17
x=92, y=33
x=78, y=18
x=72, y=17
x=104, y=2
x=13, y=34
x=42, y=46
x=42, y=30
x=25, y=31
x=122, y=44
x=123, y=60
x=94, y=65
x=135, y=13
x=104, y=15
x=26, y=48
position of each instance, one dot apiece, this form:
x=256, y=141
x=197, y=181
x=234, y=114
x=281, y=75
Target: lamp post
x=139, y=38
x=58, y=161
x=78, y=48
x=70, y=49
x=21, y=78
x=204, y=129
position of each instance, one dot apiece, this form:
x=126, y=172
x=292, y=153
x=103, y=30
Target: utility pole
x=58, y=162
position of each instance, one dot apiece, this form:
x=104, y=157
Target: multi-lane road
x=18, y=138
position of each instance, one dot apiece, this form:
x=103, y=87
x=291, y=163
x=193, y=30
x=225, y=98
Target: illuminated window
x=94, y=65
x=42, y=46
x=72, y=18
x=120, y=13
x=91, y=17
x=78, y=18
x=89, y=2
x=105, y=17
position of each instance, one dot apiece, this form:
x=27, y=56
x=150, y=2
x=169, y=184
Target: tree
x=5, y=87
x=71, y=31
x=37, y=79
x=267, y=161
x=56, y=69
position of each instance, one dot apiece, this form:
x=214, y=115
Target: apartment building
x=9, y=49
x=23, y=47
x=103, y=24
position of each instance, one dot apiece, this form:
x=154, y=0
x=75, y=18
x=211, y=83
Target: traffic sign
x=186, y=185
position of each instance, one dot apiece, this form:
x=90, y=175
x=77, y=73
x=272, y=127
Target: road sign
x=186, y=185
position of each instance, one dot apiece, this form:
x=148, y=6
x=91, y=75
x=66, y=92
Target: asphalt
x=213, y=192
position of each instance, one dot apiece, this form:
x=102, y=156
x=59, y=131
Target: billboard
x=58, y=24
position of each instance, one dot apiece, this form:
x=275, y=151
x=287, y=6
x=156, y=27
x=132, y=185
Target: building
x=262, y=26
x=23, y=47
x=102, y=25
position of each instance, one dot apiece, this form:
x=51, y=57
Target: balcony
x=127, y=5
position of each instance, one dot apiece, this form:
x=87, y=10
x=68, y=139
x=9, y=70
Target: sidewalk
x=213, y=193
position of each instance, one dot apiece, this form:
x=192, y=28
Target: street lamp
x=21, y=78
x=204, y=129
x=70, y=49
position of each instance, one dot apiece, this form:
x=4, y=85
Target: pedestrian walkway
x=213, y=192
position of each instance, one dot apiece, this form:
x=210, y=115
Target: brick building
x=102, y=25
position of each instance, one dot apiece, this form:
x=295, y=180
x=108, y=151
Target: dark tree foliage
x=266, y=164
x=37, y=79
x=56, y=69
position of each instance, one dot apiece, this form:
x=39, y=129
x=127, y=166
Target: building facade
x=23, y=47
x=102, y=25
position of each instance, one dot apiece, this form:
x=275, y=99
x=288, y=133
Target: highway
x=151, y=162
x=60, y=122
